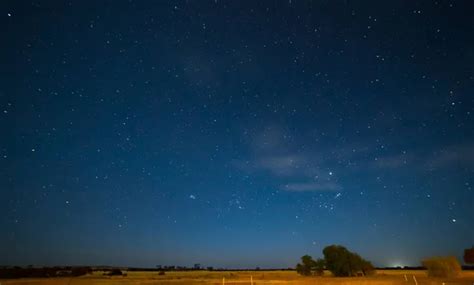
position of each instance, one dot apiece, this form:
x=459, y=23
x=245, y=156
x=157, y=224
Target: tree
x=469, y=255
x=442, y=266
x=308, y=266
x=337, y=260
x=304, y=268
x=367, y=268
x=342, y=262
x=319, y=265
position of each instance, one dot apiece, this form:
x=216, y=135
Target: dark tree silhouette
x=308, y=266
x=469, y=255
x=342, y=262
x=319, y=265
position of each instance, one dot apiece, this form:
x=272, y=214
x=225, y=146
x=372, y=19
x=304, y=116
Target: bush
x=446, y=267
x=79, y=271
x=161, y=272
x=469, y=255
x=115, y=272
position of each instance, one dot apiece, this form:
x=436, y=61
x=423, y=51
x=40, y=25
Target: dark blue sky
x=235, y=133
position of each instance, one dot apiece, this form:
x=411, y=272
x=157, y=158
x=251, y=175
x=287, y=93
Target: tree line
x=338, y=260
x=43, y=272
x=342, y=262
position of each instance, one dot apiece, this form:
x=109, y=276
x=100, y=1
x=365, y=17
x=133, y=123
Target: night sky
x=235, y=133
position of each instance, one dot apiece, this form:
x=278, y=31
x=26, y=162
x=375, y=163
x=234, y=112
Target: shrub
x=442, y=266
x=115, y=272
x=79, y=271
x=469, y=255
x=161, y=272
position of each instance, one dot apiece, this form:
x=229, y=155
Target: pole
x=406, y=279
x=223, y=280
x=251, y=280
x=414, y=279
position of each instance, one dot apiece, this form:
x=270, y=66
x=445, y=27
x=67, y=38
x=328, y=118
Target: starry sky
x=235, y=133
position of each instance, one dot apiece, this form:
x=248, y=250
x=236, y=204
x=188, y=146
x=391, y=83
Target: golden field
x=383, y=277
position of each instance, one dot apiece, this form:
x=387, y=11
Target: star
x=258, y=140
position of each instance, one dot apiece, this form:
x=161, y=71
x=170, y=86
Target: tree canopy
x=308, y=266
x=342, y=262
x=337, y=259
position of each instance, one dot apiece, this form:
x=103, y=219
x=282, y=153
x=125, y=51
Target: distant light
x=192, y=197
x=397, y=264
x=9, y=15
x=453, y=220
x=330, y=173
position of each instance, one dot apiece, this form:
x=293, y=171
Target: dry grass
x=383, y=277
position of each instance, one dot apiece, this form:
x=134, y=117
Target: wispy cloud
x=447, y=156
x=282, y=165
x=311, y=187
x=392, y=161
x=274, y=152
x=272, y=139
x=456, y=154
x=299, y=168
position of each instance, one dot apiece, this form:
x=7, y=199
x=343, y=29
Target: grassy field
x=383, y=277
